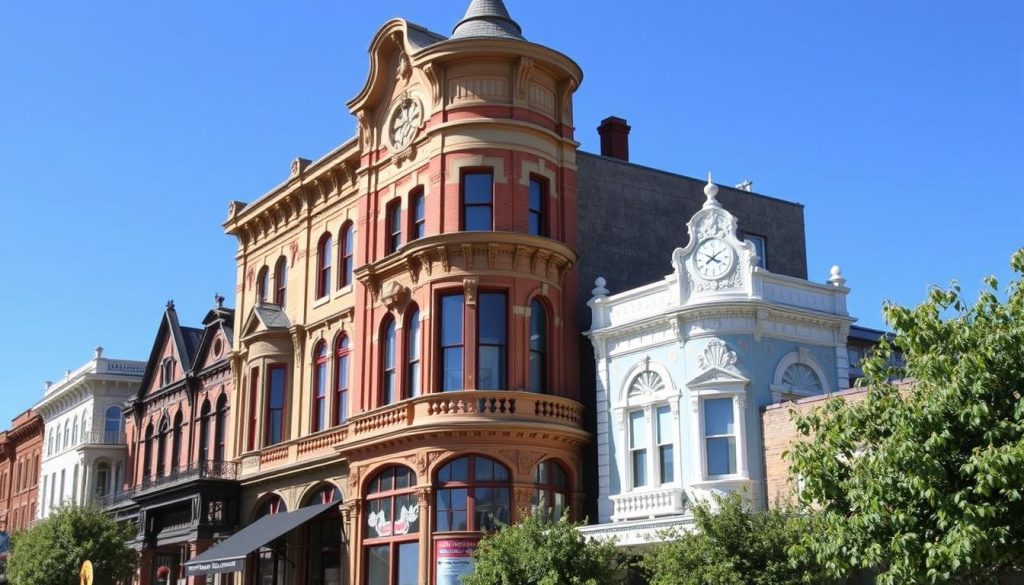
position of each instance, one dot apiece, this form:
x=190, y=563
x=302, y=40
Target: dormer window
x=167, y=372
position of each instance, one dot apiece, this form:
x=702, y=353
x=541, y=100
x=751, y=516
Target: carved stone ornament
x=714, y=225
x=404, y=123
x=395, y=296
x=716, y=355
x=470, y=286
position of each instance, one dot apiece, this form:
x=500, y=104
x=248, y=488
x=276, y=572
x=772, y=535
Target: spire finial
x=487, y=18
x=711, y=190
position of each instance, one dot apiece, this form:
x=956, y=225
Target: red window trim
x=323, y=263
x=339, y=390
x=393, y=220
x=320, y=377
x=280, y=281
x=345, y=276
x=416, y=195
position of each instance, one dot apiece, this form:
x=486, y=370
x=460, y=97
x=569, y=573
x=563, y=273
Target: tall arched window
x=112, y=425
x=550, y=489
x=473, y=494
x=74, y=432
x=347, y=254
x=263, y=284
x=176, y=443
x=220, y=428
x=324, y=537
x=323, y=263
x=341, y=360
x=280, y=281
x=413, y=349
x=147, y=453
x=538, y=347
x=204, y=431
x=271, y=561
x=318, y=421
x=389, y=371
x=161, y=448
x=392, y=521
x=67, y=433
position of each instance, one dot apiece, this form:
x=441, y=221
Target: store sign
x=408, y=517
x=453, y=560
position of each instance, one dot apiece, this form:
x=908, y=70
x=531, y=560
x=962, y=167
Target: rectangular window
x=638, y=447
x=408, y=563
x=254, y=385
x=378, y=565
x=538, y=197
x=418, y=213
x=477, y=201
x=720, y=436
x=274, y=425
x=666, y=453
x=451, y=342
x=491, y=341
x=759, y=247
x=394, y=226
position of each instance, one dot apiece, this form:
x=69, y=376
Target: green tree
x=540, y=552
x=52, y=551
x=732, y=546
x=922, y=480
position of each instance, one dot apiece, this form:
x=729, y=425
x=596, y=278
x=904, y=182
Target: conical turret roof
x=487, y=18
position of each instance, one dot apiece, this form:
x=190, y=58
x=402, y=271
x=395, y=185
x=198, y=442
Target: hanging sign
x=453, y=560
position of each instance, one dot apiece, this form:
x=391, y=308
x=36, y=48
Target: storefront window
x=392, y=523
x=473, y=494
x=325, y=550
x=551, y=490
x=271, y=561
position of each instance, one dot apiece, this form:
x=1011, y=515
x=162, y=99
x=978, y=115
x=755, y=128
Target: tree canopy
x=538, y=551
x=732, y=546
x=922, y=480
x=53, y=550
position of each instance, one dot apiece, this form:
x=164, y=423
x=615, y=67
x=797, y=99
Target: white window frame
x=803, y=356
x=648, y=403
x=736, y=435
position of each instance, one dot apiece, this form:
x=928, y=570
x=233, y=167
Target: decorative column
x=425, y=494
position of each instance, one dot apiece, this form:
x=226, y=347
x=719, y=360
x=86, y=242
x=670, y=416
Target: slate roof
x=487, y=18
x=272, y=316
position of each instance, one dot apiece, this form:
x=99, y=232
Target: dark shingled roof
x=487, y=18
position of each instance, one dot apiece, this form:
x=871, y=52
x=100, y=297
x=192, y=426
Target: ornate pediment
x=716, y=376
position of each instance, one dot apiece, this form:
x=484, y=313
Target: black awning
x=229, y=555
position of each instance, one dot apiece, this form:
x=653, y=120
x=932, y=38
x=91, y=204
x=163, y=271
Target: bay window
x=412, y=353
x=452, y=342
x=638, y=448
x=473, y=494
x=277, y=377
x=666, y=451
x=719, y=436
x=551, y=490
x=492, y=340
x=538, y=347
x=477, y=201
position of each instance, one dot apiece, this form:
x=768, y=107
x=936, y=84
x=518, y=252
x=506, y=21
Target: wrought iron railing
x=202, y=470
x=105, y=438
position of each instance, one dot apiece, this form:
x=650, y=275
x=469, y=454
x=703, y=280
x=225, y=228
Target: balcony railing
x=201, y=470
x=114, y=499
x=105, y=438
x=649, y=503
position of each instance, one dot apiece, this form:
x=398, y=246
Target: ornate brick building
x=21, y=450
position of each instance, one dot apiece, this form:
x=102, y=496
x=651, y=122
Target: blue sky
x=126, y=127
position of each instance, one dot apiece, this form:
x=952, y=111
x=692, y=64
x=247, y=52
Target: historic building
x=180, y=486
x=84, y=451
x=21, y=449
x=685, y=364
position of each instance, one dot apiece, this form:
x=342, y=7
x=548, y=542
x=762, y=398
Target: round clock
x=405, y=122
x=713, y=259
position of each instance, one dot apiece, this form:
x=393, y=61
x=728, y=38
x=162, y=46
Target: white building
x=84, y=445
x=684, y=366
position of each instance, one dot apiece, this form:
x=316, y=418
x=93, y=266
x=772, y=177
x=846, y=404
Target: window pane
x=639, y=468
x=667, y=464
x=478, y=188
x=491, y=368
x=491, y=507
x=721, y=454
x=536, y=191
x=451, y=325
x=408, y=563
x=718, y=419
x=492, y=318
x=664, y=424
x=637, y=429
x=535, y=223
x=457, y=470
x=452, y=369
x=378, y=568
x=407, y=519
x=478, y=218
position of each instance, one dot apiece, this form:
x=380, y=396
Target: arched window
x=323, y=263
x=392, y=524
x=413, y=349
x=112, y=425
x=271, y=562
x=341, y=360
x=802, y=380
x=67, y=433
x=324, y=538
x=389, y=372
x=176, y=443
x=550, y=489
x=161, y=448
x=102, y=479
x=204, y=431
x=538, y=347
x=319, y=414
x=280, y=281
x=74, y=432
x=263, y=284
x=147, y=453
x=473, y=494
x=347, y=254
x=220, y=428
x=393, y=219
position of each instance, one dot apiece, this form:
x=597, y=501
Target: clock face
x=713, y=259
x=405, y=122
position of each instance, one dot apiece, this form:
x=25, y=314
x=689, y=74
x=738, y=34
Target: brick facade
x=20, y=451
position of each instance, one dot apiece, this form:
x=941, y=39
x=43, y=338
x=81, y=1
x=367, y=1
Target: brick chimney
x=614, y=138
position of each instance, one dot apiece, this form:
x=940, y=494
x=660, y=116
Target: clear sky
x=126, y=127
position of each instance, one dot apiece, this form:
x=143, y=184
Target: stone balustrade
x=649, y=503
